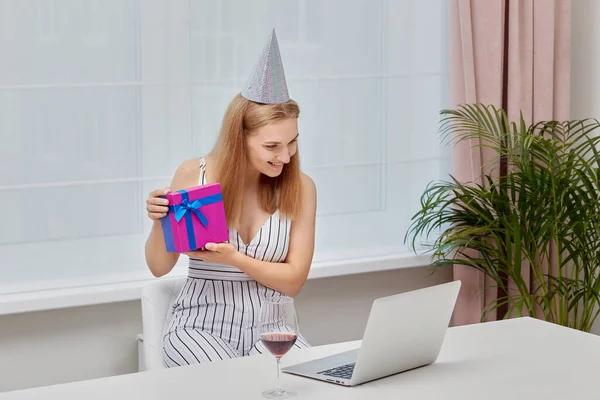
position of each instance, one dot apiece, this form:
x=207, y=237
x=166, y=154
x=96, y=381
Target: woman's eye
x=271, y=146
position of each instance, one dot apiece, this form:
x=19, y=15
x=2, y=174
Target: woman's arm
x=159, y=261
x=287, y=277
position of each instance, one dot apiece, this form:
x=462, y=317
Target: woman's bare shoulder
x=186, y=175
x=307, y=181
x=309, y=188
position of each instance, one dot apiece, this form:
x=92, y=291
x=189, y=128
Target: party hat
x=267, y=83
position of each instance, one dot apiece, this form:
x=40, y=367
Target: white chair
x=157, y=301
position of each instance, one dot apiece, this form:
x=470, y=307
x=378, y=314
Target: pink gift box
x=196, y=216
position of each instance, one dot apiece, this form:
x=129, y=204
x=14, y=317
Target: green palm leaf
x=545, y=210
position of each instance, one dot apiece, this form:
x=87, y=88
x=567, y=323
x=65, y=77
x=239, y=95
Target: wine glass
x=279, y=330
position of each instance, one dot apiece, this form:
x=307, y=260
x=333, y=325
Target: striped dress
x=216, y=314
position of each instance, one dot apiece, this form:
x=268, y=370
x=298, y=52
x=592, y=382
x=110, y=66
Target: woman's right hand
x=156, y=206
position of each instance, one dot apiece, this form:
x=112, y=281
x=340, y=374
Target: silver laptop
x=403, y=332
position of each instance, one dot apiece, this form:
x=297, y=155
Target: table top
x=517, y=358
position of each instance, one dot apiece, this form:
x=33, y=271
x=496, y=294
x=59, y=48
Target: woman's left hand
x=220, y=253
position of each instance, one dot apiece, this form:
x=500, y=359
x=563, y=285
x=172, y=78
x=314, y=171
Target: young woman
x=270, y=207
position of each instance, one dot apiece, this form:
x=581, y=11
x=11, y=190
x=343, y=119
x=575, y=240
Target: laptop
x=404, y=331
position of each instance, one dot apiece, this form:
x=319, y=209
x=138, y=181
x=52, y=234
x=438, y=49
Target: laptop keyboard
x=344, y=371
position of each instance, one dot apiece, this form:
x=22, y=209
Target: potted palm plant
x=531, y=224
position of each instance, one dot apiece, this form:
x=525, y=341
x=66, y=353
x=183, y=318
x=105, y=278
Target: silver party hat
x=267, y=83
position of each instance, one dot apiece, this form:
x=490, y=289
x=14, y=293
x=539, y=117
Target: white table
x=514, y=359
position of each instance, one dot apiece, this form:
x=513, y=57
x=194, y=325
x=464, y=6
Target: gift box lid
x=194, y=193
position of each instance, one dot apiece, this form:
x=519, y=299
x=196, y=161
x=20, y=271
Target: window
x=101, y=100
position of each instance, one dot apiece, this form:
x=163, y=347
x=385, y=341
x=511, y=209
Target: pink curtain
x=514, y=54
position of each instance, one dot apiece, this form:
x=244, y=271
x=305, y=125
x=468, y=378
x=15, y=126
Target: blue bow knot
x=194, y=207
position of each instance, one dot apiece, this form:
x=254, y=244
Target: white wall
x=48, y=347
x=44, y=348
x=585, y=59
x=585, y=66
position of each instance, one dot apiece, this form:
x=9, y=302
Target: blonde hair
x=230, y=157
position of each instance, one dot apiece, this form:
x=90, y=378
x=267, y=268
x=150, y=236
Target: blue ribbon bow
x=182, y=209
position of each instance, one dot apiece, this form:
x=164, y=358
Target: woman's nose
x=284, y=156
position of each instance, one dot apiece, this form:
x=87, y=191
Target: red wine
x=278, y=343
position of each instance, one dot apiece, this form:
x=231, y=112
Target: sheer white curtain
x=100, y=100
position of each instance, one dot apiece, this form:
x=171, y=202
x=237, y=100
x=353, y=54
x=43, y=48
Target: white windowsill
x=113, y=293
